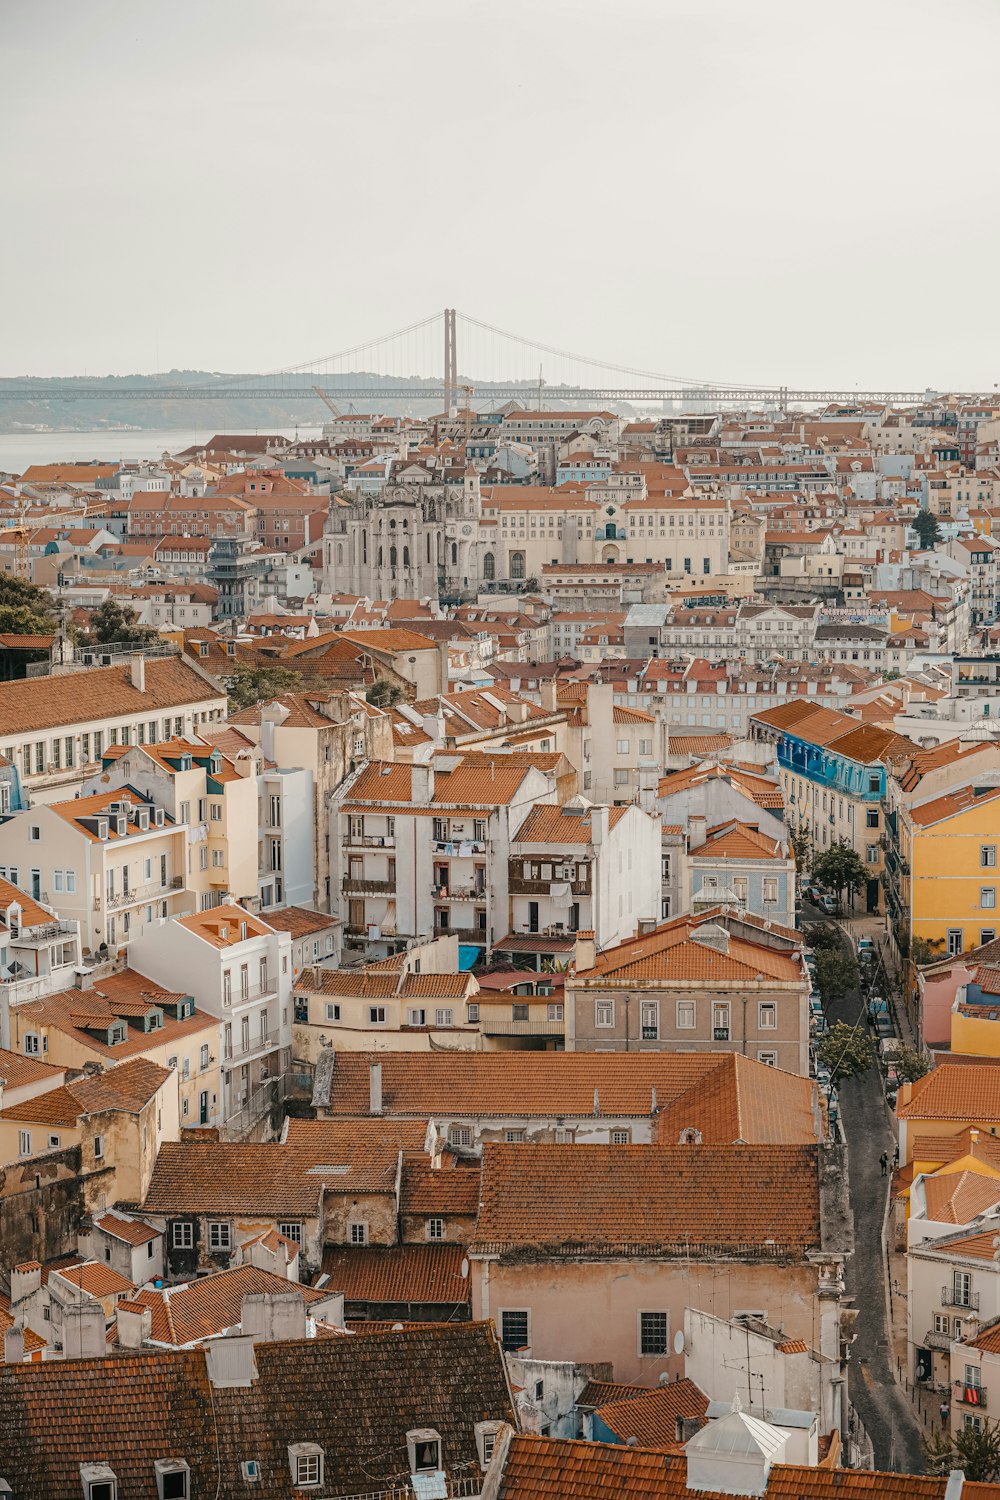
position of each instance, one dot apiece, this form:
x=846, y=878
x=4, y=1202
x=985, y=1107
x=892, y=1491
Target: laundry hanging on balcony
x=561, y=893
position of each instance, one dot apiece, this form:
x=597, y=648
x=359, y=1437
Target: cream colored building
x=196, y=786
x=114, y=862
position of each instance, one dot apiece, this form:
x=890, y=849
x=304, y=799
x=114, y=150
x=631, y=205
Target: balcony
x=971, y=1396
x=458, y=893
x=518, y=885
x=241, y=1052
x=476, y=936
x=265, y=991
x=353, y=887
x=490, y=1026
x=466, y=846
x=370, y=841
x=153, y=890
x=951, y=1298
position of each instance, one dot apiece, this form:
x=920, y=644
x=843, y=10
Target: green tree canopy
x=250, y=685
x=25, y=609
x=846, y=1051
x=927, y=529
x=112, y=622
x=836, y=974
x=840, y=868
x=383, y=694
x=976, y=1453
x=911, y=1065
x=820, y=935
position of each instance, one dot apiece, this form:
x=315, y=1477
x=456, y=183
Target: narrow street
x=879, y=1400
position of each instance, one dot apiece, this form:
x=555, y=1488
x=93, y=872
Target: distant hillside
x=104, y=409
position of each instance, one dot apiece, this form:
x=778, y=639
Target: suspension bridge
x=395, y=367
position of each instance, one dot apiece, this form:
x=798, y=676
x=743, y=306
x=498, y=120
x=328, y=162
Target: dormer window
x=99, y=1482
x=102, y=828
x=173, y=1479
x=154, y=1020
x=117, y=1033
x=121, y=827
x=423, y=1448
x=186, y=762
x=486, y=1439
x=306, y=1463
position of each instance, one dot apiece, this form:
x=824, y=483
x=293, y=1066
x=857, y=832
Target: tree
x=911, y=1065
x=25, y=609
x=922, y=951
x=976, y=1453
x=927, y=529
x=113, y=621
x=819, y=935
x=836, y=974
x=840, y=868
x=251, y=685
x=802, y=847
x=384, y=694
x=846, y=1051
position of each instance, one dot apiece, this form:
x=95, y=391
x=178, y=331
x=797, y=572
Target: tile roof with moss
x=400, y=1273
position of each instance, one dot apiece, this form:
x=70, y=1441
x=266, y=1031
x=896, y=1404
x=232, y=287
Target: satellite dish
x=679, y=1342
x=465, y=1268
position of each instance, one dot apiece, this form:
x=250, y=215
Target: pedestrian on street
x=945, y=1413
x=895, y=1156
x=883, y=1162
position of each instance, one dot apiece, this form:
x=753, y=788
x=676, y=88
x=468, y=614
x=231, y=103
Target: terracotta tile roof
x=32, y=1340
x=632, y=716
x=16, y=1071
x=516, y=1083
x=355, y=1397
x=952, y=805
x=599, y=1392
x=759, y=789
x=570, y=823
x=697, y=744
x=97, y=1279
x=943, y=1149
x=120, y=996
x=958, y=1197
x=955, y=1091
x=132, y=1231
x=403, y=1273
x=468, y=785
x=270, y=1180
x=673, y=952
x=128, y=1087
x=540, y=1468
x=428, y=1190
x=742, y=1100
x=221, y=925
x=653, y=1418
x=920, y=764
x=33, y=914
x=980, y=1245
x=735, y=840
x=104, y=693
x=56, y=1107
x=206, y=1307
x=299, y=921
x=746, y=1201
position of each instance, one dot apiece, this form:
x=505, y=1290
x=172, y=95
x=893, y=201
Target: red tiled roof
x=403, y=1273
x=653, y=1418
x=429, y=1191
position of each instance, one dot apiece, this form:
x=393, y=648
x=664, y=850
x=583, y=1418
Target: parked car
x=877, y=1006
x=866, y=948
x=815, y=1004
x=883, y=1025
x=828, y=903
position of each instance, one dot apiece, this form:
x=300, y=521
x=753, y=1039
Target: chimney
x=135, y=1324
x=229, y=1362
x=599, y=824
x=585, y=953
x=24, y=1280
x=267, y=1317
x=422, y=785
x=646, y=926
x=13, y=1346
x=956, y=1484
x=137, y=672
x=697, y=824
x=375, y=1089
x=712, y=936
x=547, y=694
x=84, y=1331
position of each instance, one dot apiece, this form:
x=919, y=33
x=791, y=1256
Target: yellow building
x=949, y=876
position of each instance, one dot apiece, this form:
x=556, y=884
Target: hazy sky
x=754, y=190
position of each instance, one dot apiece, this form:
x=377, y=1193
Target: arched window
x=454, y=554
x=392, y=557
x=340, y=554
x=517, y=565
x=380, y=557
x=406, y=557
x=364, y=546
x=428, y=546
x=489, y=566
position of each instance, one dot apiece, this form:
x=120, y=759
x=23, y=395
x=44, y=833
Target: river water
x=18, y=450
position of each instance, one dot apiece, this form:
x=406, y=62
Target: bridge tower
x=450, y=361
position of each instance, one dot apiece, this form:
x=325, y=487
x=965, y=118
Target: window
x=685, y=1015
x=99, y=1482
x=871, y=817
x=605, y=1012
x=621, y=1137
x=767, y=1015
x=444, y=1018
x=435, y=1229
x=220, y=1236
x=653, y=1329
x=486, y=1438
x=554, y=1012
x=987, y=935
x=623, y=747
x=514, y=1137
x=98, y=1147
x=332, y=1012
x=31, y=1044
x=769, y=1059
x=460, y=1135
x=988, y=856
x=514, y=1327
x=359, y=1234
x=34, y=833
x=650, y=1020
x=988, y=897
x=292, y=1231
x=204, y=1057
x=306, y=1463
x=376, y=1015
x=182, y=1236
x=24, y=1142
x=955, y=940
x=519, y=1012
x=417, y=1017
x=720, y=1022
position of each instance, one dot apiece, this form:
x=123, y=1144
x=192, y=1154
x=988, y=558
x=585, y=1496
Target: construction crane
x=326, y=401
